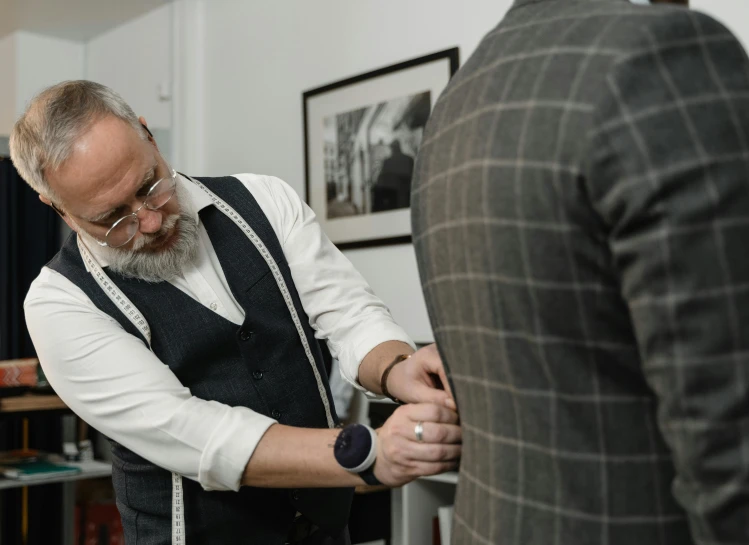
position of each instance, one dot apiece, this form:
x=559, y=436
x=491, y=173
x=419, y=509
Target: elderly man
x=181, y=320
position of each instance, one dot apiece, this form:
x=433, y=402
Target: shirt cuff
x=351, y=357
x=230, y=447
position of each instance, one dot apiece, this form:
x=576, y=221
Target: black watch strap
x=368, y=476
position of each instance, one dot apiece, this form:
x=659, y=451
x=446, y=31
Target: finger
x=423, y=452
x=431, y=412
x=450, y=401
x=434, y=468
x=429, y=394
x=439, y=433
x=430, y=356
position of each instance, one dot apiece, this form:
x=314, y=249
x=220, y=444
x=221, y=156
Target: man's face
x=107, y=177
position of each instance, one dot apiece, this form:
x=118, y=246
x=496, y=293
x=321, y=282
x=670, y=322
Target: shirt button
x=257, y=375
x=245, y=335
x=214, y=306
x=276, y=414
x=295, y=494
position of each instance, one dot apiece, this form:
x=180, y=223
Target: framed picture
x=361, y=136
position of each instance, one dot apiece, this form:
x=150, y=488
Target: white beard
x=160, y=265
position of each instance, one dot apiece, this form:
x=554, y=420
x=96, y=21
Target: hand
x=421, y=379
x=401, y=457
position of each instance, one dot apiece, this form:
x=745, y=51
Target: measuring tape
x=132, y=313
x=250, y=233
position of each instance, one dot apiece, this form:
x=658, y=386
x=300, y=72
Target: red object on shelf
x=15, y=373
x=436, y=536
x=103, y=525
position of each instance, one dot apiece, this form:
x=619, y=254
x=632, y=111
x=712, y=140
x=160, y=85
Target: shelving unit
x=32, y=403
x=415, y=505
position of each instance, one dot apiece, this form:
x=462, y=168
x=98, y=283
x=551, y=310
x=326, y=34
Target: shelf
x=31, y=402
x=451, y=477
x=89, y=470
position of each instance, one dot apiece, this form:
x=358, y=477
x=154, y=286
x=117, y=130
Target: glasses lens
x=161, y=192
x=122, y=232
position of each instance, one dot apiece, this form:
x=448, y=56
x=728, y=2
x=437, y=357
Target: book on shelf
x=32, y=466
x=19, y=373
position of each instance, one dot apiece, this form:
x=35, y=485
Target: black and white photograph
x=362, y=136
x=369, y=155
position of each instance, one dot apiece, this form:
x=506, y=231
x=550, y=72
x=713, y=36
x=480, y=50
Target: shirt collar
x=198, y=199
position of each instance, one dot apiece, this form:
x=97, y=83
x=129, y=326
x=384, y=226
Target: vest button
x=295, y=494
x=257, y=375
x=245, y=335
x=276, y=414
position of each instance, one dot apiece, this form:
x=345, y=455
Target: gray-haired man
x=181, y=320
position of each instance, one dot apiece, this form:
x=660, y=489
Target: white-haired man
x=181, y=320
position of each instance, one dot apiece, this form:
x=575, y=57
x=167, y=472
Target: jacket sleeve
x=668, y=171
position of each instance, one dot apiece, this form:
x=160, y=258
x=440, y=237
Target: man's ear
x=151, y=139
x=62, y=214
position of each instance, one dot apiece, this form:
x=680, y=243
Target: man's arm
x=342, y=308
x=112, y=381
x=298, y=457
x=669, y=175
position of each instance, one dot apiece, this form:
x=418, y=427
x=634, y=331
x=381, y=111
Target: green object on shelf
x=37, y=470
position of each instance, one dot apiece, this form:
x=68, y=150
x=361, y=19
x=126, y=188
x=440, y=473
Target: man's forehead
x=101, y=159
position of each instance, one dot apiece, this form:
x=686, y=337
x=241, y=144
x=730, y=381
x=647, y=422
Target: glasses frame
x=134, y=214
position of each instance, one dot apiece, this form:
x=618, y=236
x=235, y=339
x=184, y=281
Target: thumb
x=426, y=394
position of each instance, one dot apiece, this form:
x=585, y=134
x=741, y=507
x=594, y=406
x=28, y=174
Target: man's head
x=83, y=149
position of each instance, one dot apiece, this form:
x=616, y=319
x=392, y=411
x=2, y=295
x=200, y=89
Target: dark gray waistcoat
x=261, y=365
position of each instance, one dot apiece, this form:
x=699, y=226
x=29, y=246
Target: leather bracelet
x=386, y=373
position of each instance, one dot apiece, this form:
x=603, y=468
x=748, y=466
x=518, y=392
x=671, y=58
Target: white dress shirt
x=117, y=385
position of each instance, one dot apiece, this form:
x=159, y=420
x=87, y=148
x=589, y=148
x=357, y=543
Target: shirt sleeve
x=339, y=302
x=114, y=382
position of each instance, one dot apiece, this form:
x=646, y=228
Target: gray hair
x=43, y=138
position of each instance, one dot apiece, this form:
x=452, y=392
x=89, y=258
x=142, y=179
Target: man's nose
x=150, y=220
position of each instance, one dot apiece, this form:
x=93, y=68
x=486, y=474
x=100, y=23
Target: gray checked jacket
x=581, y=221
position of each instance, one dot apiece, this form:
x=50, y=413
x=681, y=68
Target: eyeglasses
x=125, y=228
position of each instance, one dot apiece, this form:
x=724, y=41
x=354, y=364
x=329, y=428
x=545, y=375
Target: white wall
x=29, y=63
x=44, y=61
x=732, y=13
x=256, y=57
x=260, y=55
x=134, y=59
x=7, y=85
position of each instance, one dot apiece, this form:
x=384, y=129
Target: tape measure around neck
x=283, y=288
x=136, y=318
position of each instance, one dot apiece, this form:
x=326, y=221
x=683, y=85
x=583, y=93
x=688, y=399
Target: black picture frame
x=361, y=218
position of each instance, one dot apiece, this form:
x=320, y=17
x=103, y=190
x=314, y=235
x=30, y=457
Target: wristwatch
x=355, y=450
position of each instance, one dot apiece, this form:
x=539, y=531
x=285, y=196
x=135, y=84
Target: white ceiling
x=78, y=20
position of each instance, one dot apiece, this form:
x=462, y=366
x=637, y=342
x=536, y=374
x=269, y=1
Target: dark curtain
x=29, y=237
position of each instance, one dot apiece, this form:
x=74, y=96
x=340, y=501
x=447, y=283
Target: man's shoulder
x=52, y=286
x=255, y=183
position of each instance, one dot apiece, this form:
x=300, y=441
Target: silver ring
x=419, y=431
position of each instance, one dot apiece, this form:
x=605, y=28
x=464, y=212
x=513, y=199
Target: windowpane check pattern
x=581, y=222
